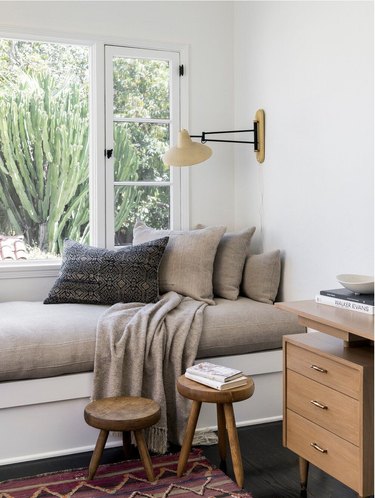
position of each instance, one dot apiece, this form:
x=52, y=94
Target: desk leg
x=234, y=444
x=303, y=472
x=188, y=437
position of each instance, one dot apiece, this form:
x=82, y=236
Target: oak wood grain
x=125, y=414
x=226, y=422
x=331, y=320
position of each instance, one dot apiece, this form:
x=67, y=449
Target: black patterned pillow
x=99, y=276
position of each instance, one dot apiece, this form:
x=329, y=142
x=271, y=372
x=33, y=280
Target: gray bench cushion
x=38, y=340
x=244, y=326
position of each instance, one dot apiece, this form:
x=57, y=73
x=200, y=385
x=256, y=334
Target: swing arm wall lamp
x=187, y=152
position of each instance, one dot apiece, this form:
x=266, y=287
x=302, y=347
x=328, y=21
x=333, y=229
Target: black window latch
x=108, y=153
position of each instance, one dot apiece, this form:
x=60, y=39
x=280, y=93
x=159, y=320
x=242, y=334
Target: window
x=46, y=160
x=44, y=149
x=142, y=116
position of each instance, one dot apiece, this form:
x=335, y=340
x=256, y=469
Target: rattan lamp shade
x=187, y=152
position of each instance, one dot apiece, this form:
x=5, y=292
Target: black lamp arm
x=204, y=139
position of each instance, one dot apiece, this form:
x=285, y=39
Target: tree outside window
x=43, y=144
x=44, y=147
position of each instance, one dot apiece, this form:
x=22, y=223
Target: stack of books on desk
x=346, y=299
x=216, y=376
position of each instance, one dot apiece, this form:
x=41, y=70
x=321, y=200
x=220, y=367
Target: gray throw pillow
x=229, y=263
x=99, y=276
x=188, y=261
x=261, y=276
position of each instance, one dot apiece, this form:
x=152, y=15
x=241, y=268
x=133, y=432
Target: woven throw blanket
x=141, y=350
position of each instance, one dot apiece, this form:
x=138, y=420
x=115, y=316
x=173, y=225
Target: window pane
x=151, y=204
x=141, y=88
x=44, y=134
x=138, y=148
x=142, y=114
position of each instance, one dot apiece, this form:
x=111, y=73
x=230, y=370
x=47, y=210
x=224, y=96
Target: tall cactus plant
x=44, y=159
x=44, y=186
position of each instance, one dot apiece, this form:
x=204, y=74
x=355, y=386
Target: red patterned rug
x=128, y=480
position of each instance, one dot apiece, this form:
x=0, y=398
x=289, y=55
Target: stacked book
x=346, y=299
x=216, y=376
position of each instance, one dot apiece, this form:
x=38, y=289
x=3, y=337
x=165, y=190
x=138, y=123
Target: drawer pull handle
x=319, y=405
x=318, y=448
x=318, y=369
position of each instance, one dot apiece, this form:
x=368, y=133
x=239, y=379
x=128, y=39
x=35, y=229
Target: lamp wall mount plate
x=259, y=122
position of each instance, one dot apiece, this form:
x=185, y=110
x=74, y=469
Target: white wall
x=310, y=65
x=207, y=29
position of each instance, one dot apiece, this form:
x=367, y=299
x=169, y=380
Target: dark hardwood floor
x=271, y=471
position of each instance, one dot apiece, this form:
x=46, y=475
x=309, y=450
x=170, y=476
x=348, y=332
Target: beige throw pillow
x=261, y=276
x=229, y=263
x=187, y=263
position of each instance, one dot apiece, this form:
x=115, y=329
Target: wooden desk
x=329, y=394
x=344, y=324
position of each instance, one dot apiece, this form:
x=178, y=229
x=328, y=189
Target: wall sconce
x=187, y=152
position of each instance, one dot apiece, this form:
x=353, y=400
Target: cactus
x=43, y=158
x=44, y=190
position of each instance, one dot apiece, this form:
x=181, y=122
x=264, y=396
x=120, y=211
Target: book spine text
x=342, y=303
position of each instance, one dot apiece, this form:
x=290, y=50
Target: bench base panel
x=43, y=418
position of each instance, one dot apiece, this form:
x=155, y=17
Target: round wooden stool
x=225, y=420
x=122, y=414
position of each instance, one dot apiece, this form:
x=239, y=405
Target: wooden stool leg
x=188, y=437
x=98, y=451
x=126, y=443
x=234, y=444
x=144, y=454
x=222, y=435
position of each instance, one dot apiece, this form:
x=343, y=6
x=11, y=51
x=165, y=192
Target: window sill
x=29, y=269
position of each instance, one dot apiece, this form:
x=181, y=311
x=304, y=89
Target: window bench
x=47, y=358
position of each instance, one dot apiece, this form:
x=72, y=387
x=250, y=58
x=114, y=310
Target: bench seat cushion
x=244, y=326
x=38, y=340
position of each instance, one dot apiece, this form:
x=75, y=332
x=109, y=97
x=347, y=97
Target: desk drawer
x=340, y=458
x=326, y=407
x=327, y=371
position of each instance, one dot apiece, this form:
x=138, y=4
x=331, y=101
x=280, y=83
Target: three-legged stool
x=225, y=420
x=124, y=414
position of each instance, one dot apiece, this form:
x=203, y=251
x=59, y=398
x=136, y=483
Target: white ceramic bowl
x=360, y=284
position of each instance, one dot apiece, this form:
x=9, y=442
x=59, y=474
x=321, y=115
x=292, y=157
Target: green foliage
x=44, y=162
x=63, y=61
x=43, y=142
x=125, y=166
x=141, y=88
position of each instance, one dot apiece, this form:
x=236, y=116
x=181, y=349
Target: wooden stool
x=122, y=414
x=225, y=420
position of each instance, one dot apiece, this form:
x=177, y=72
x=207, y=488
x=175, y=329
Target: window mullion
x=142, y=183
x=97, y=146
x=119, y=119
x=109, y=162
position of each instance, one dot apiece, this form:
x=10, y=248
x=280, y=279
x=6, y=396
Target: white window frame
x=112, y=52
x=96, y=45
